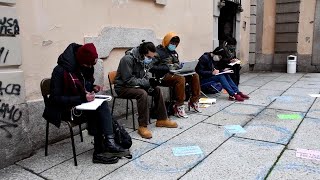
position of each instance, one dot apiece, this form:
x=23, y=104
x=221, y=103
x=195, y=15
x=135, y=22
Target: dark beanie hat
x=87, y=54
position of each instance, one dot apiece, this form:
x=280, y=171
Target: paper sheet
x=234, y=129
x=308, y=154
x=186, y=151
x=314, y=95
x=93, y=105
x=289, y=116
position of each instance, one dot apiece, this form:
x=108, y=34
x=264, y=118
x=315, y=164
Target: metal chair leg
x=81, y=136
x=151, y=109
x=134, y=125
x=47, y=139
x=127, y=108
x=114, y=100
x=73, y=146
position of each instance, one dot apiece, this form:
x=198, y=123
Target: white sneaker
x=180, y=112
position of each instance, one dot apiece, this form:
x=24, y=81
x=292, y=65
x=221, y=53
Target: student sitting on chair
x=72, y=84
x=208, y=69
x=132, y=81
x=168, y=59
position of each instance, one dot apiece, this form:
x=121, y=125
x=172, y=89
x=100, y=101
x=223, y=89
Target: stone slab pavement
x=266, y=150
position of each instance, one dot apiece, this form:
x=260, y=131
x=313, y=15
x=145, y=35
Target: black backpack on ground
x=122, y=137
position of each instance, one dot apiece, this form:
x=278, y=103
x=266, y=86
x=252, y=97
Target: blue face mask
x=172, y=47
x=147, y=60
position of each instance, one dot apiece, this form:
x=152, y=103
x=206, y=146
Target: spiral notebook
x=93, y=105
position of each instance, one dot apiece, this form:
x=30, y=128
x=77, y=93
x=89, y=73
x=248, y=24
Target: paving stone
x=258, y=81
x=160, y=135
x=247, y=76
x=222, y=102
x=314, y=111
x=57, y=153
x=262, y=97
x=291, y=167
x=247, y=89
x=272, y=74
x=268, y=127
x=15, y=172
x=289, y=77
x=307, y=136
x=235, y=114
x=88, y=170
x=307, y=84
x=238, y=159
x=295, y=99
x=277, y=85
x=160, y=163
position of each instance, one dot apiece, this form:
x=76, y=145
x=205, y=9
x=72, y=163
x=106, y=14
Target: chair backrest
x=45, y=87
x=112, y=78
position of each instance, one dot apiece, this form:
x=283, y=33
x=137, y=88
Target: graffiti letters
x=3, y=54
x=9, y=27
x=10, y=89
x=8, y=113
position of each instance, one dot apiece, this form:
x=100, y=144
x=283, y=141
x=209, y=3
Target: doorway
x=227, y=21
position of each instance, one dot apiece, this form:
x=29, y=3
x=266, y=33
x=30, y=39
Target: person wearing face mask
x=132, y=81
x=72, y=83
x=168, y=59
x=209, y=66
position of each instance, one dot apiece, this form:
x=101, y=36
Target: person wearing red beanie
x=72, y=83
x=87, y=55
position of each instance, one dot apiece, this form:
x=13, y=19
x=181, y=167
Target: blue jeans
x=225, y=81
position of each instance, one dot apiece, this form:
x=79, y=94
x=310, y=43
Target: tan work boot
x=144, y=132
x=166, y=123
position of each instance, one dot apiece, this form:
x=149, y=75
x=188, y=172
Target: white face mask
x=216, y=58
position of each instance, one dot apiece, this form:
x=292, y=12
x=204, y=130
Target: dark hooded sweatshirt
x=59, y=101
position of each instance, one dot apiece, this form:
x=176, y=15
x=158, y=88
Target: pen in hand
x=90, y=96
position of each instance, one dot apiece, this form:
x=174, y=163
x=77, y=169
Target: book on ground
x=207, y=100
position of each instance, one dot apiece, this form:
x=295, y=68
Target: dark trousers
x=235, y=76
x=99, y=121
x=143, y=104
x=226, y=83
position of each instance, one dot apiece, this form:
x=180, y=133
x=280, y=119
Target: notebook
x=93, y=105
x=188, y=68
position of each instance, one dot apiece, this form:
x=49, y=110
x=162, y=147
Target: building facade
x=33, y=33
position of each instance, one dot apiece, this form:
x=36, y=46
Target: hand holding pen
x=90, y=96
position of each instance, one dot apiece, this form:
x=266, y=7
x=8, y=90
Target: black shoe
x=104, y=159
x=126, y=153
x=111, y=146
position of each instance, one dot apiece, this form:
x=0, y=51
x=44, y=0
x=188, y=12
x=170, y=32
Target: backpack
x=121, y=136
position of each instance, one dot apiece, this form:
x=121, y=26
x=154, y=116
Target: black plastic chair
x=45, y=90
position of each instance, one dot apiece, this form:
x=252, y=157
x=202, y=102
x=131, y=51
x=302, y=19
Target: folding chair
x=45, y=90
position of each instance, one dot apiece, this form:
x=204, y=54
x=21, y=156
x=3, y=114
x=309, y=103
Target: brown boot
x=166, y=123
x=144, y=132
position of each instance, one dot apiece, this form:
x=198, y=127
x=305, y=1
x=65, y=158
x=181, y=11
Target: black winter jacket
x=59, y=103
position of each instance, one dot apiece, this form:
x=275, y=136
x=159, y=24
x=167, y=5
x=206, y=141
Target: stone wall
x=14, y=138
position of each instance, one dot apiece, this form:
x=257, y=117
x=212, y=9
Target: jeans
x=225, y=81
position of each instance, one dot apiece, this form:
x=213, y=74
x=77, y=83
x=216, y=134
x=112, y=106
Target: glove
x=154, y=82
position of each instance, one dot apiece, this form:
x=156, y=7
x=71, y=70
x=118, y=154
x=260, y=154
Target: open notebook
x=93, y=105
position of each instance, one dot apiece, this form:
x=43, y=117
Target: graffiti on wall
x=9, y=27
x=3, y=55
x=9, y=114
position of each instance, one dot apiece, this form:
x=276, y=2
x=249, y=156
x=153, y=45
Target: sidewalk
x=267, y=149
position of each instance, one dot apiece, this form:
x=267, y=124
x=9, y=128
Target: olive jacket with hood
x=59, y=102
x=132, y=72
x=166, y=60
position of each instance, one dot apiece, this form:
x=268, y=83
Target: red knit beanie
x=87, y=54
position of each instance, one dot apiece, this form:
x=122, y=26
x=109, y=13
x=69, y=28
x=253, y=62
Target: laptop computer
x=187, y=69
